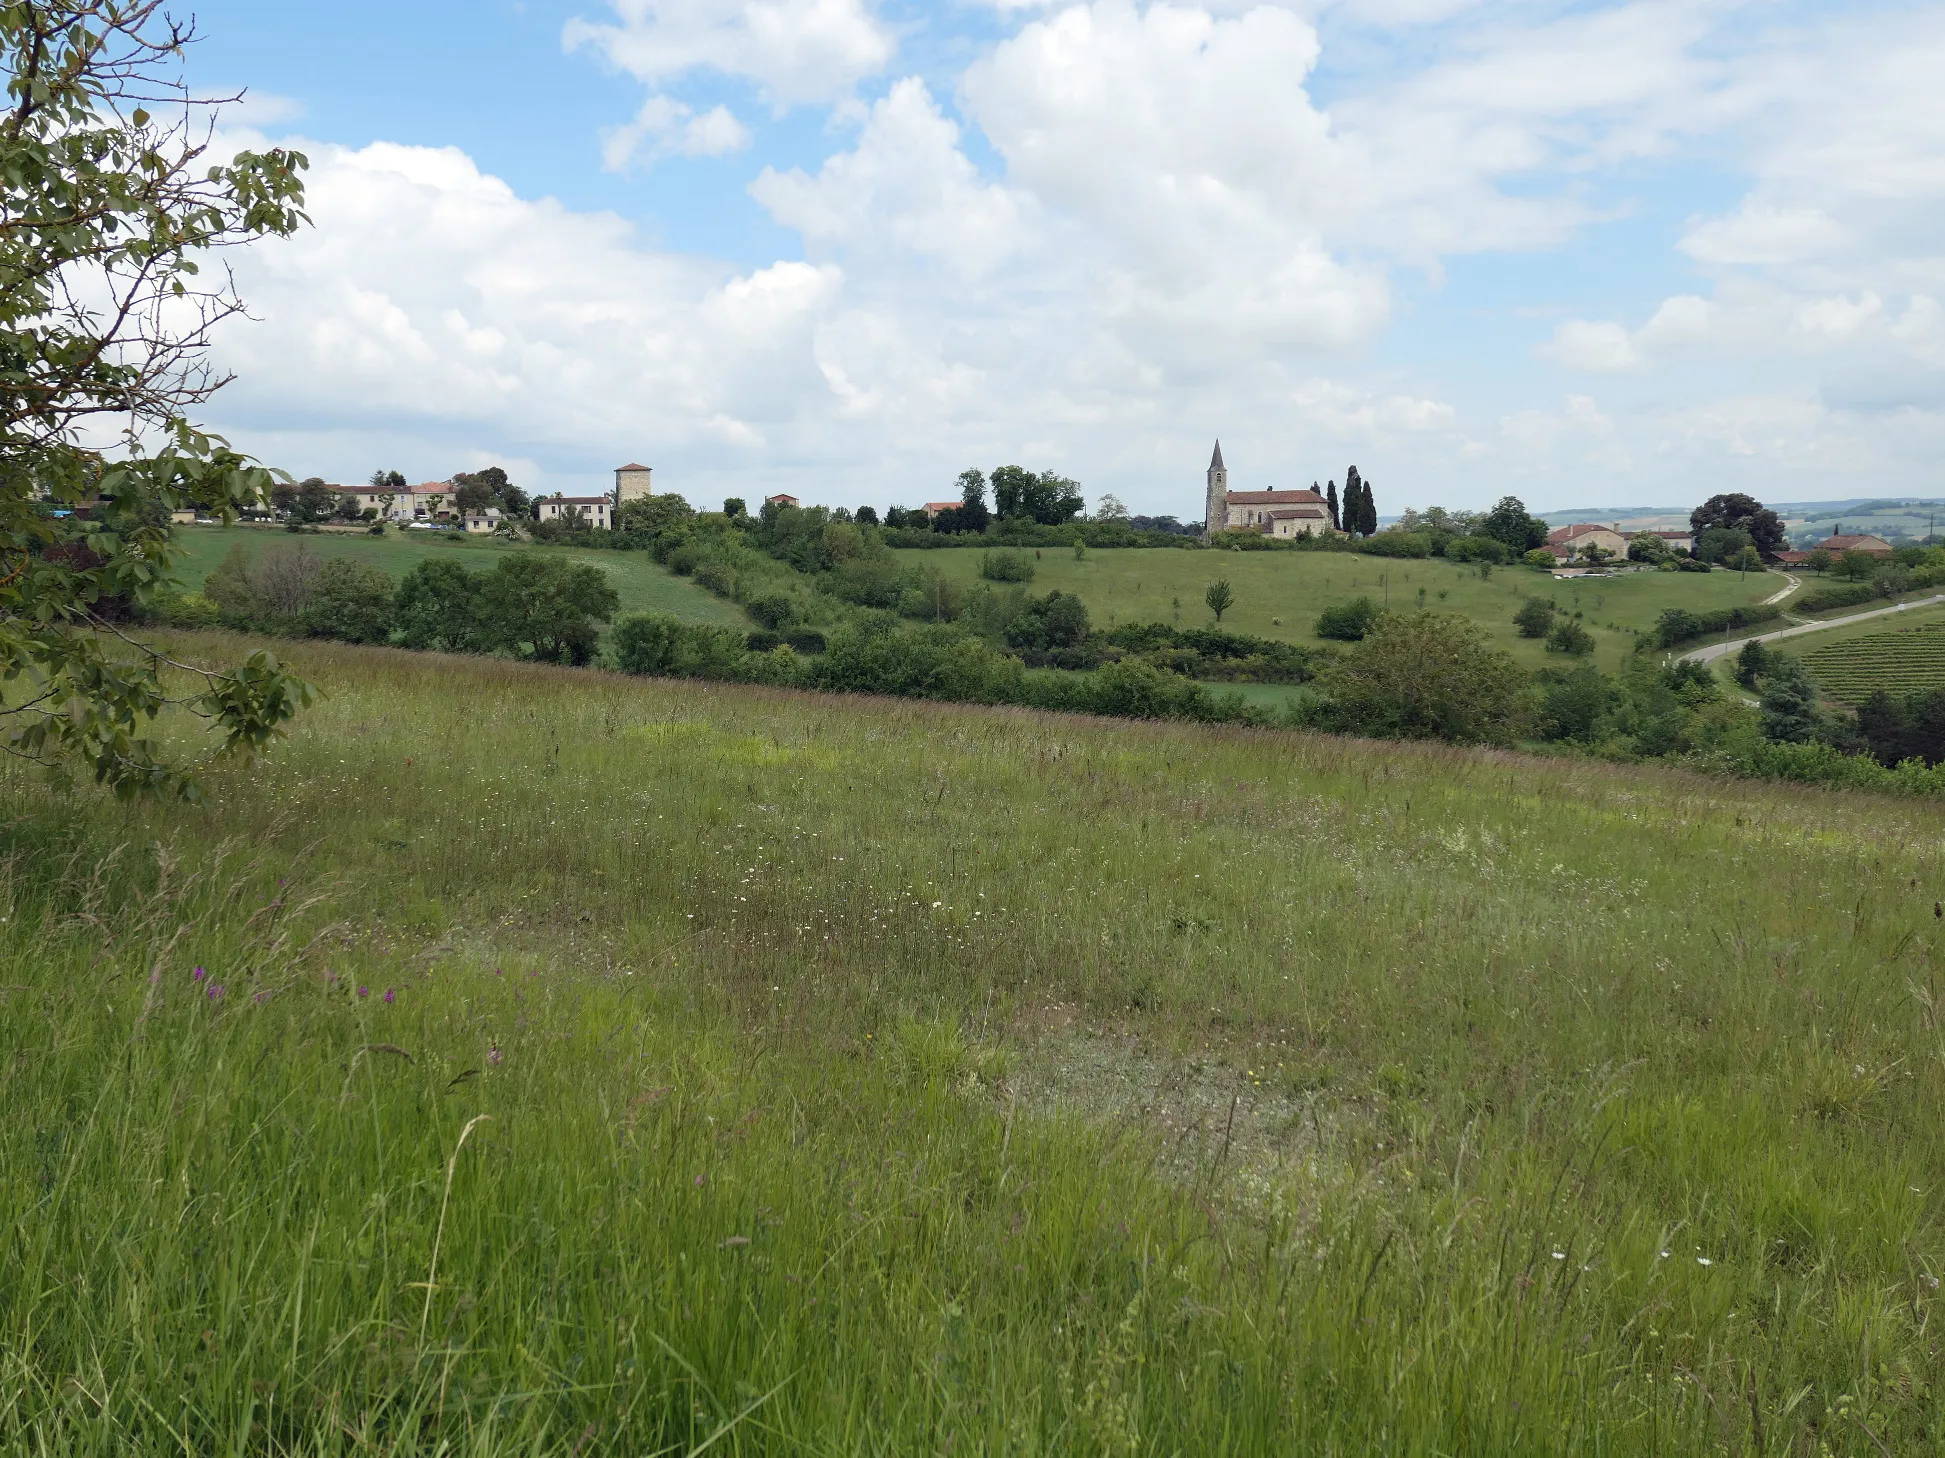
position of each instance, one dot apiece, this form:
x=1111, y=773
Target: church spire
x=1215, y=461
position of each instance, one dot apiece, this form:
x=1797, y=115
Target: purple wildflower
x=390, y=996
x=363, y=991
x=200, y=974
x=215, y=991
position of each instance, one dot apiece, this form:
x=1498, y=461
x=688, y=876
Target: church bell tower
x=1215, y=516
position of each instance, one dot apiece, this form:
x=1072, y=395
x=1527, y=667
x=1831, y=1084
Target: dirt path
x=1794, y=583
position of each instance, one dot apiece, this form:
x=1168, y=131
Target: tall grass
x=764, y=1073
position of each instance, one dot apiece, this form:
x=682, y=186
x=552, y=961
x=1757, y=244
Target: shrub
x=1479, y=549
x=1006, y=565
x=652, y=643
x=717, y=576
x=1679, y=625
x=1569, y=637
x=437, y=606
x=773, y=609
x=1539, y=557
x=1133, y=689
x=1427, y=676
x=1348, y=622
x=188, y=610
x=805, y=640
x=1692, y=564
x=1534, y=618
x=547, y=607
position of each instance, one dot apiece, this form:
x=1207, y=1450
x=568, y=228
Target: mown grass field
x=533, y=1060
x=642, y=584
x=1280, y=594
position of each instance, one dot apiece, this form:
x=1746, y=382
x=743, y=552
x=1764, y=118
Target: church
x=1273, y=513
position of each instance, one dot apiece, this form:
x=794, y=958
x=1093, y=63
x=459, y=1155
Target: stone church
x=1273, y=513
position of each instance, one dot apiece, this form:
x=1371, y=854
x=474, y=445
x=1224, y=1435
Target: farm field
x=641, y=583
x=538, y=1060
x=1279, y=594
x=1898, y=660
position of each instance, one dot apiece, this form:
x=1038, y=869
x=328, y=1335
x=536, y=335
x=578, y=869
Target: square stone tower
x=631, y=482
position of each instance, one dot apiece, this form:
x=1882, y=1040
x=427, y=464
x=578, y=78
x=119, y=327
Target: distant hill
x=1890, y=516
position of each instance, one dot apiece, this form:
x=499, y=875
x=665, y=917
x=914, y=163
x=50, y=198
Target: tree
x=1789, y=703
x=1753, y=664
x=106, y=213
x=1746, y=559
x=1510, y=522
x=1330, y=501
x=1647, y=547
x=1220, y=597
x=1741, y=513
x=650, y=516
x=867, y=516
x=438, y=606
x=350, y=601
x=1368, y=510
x=971, y=514
x=1111, y=509
x=1009, y=489
x=383, y=480
x=1427, y=676
x=735, y=508
x=1534, y=618
x=1858, y=565
x=1818, y=561
x=315, y=502
x=547, y=606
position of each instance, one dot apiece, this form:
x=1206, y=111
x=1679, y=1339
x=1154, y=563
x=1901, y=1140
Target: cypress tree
x=1369, y=505
x=1331, y=501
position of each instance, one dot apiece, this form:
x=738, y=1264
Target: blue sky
x=1597, y=253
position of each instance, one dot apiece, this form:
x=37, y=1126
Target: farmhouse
x=596, y=511
x=933, y=508
x=1273, y=513
x=1569, y=542
x=783, y=499
x=1864, y=542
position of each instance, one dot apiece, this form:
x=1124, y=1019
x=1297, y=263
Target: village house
x=1679, y=541
x=1838, y=544
x=1273, y=513
x=481, y=523
x=933, y=508
x=1570, y=543
x=597, y=511
x=780, y=499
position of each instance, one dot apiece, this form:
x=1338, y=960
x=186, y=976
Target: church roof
x=1275, y=498
x=1215, y=461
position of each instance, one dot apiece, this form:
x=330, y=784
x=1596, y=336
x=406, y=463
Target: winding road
x=1734, y=645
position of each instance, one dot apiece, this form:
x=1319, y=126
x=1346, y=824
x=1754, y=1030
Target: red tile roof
x=1275, y=498
x=631, y=466
x=1862, y=542
x=1579, y=529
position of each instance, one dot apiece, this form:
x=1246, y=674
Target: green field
x=1279, y=594
x=542, y=1061
x=641, y=583
x=1911, y=656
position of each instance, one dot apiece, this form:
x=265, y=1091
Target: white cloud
x=794, y=51
x=905, y=189
x=665, y=126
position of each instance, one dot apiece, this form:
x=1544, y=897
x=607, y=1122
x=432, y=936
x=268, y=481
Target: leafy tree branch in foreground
x=111, y=210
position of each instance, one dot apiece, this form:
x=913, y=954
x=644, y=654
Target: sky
x=1590, y=254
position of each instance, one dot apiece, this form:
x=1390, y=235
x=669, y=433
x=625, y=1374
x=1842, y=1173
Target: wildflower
x=215, y=991
x=493, y=1055
x=363, y=991
x=1703, y=1261
x=1560, y=1255
x=390, y=997
x=200, y=974
x=699, y=1179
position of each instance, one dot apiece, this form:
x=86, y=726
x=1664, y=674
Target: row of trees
x=526, y=605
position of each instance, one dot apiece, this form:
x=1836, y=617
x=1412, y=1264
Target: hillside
x=1279, y=594
x=528, y=1059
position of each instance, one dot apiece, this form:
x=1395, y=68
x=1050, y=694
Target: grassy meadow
x=642, y=583
x=1279, y=594
x=531, y=1060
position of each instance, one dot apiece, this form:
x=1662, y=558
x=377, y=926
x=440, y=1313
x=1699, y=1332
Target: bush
x=1479, y=549
x=1006, y=565
x=773, y=609
x=717, y=576
x=1828, y=599
x=1133, y=689
x=1569, y=637
x=1692, y=564
x=805, y=640
x=651, y=643
x=1534, y=618
x=1538, y=557
x=1427, y=676
x=1348, y=622
x=188, y=610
